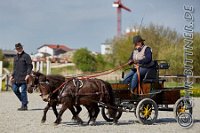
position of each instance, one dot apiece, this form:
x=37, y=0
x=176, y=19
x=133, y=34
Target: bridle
x=37, y=84
x=45, y=85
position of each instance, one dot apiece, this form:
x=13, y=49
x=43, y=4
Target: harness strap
x=76, y=91
x=101, y=91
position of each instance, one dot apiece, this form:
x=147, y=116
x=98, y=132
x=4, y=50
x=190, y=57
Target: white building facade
x=46, y=49
x=106, y=49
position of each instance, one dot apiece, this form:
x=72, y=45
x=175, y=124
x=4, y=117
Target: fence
x=1, y=74
x=37, y=66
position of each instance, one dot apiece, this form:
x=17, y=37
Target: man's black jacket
x=22, y=67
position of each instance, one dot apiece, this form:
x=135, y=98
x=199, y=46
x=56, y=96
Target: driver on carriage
x=141, y=57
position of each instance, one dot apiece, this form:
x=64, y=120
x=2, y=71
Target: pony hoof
x=56, y=123
x=43, y=121
x=74, y=119
x=115, y=123
x=80, y=122
x=92, y=123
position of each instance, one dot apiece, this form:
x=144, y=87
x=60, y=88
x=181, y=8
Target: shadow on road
x=166, y=120
x=100, y=123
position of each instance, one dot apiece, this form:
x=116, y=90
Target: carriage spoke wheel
x=147, y=111
x=107, y=117
x=182, y=106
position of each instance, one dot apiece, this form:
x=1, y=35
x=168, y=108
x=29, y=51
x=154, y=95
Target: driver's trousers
x=132, y=77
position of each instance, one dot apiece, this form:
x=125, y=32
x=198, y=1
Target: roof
x=9, y=52
x=57, y=46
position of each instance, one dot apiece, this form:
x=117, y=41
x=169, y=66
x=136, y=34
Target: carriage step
x=165, y=109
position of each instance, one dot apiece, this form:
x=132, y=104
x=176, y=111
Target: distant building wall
x=9, y=53
x=106, y=49
x=46, y=49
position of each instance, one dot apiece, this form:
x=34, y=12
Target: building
x=53, y=49
x=9, y=53
x=106, y=49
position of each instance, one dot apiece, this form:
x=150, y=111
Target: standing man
x=141, y=57
x=21, y=72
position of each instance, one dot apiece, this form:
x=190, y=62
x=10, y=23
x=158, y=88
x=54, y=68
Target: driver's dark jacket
x=22, y=67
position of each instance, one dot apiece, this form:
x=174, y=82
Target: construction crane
x=118, y=4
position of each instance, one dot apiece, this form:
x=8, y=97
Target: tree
x=196, y=55
x=100, y=62
x=6, y=63
x=122, y=48
x=84, y=60
x=166, y=44
x=1, y=55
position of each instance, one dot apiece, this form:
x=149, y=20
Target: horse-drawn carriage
x=145, y=102
x=152, y=97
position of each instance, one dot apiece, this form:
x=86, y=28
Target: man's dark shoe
x=23, y=108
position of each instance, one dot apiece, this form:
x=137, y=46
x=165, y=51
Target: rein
x=89, y=76
x=103, y=72
x=139, y=86
x=61, y=86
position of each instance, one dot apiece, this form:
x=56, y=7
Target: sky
x=83, y=23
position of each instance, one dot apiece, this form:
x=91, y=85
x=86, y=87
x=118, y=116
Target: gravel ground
x=13, y=121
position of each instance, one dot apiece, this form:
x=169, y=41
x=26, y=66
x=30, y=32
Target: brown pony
x=47, y=84
x=87, y=92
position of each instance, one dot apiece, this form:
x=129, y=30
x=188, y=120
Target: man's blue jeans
x=21, y=93
x=132, y=77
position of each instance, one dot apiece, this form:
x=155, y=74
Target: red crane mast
x=118, y=4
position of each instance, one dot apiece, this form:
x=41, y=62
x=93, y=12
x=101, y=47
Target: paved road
x=13, y=121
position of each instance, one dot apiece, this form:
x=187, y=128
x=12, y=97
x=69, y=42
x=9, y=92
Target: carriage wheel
x=182, y=105
x=105, y=114
x=147, y=111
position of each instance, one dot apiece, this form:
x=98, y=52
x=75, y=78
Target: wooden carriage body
x=158, y=93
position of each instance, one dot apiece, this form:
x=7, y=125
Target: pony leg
x=62, y=110
x=112, y=113
x=78, y=110
x=45, y=112
x=75, y=115
x=55, y=109
x=95, y=113
x=97, y=110
x=89, y=112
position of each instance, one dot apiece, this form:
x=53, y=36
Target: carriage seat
x=151, y=76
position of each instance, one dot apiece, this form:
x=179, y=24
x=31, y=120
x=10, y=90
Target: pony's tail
x=112, y=110
x=111, y=95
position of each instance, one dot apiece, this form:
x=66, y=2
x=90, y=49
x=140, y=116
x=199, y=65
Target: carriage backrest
x=164, y=65
x=153, y=74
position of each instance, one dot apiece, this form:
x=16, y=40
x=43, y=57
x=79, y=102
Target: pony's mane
x=55, y=77
x=54, y=80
